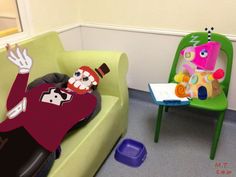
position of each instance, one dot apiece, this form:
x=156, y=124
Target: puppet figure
x=41, y=117
x=46, y=104
x=200, y=80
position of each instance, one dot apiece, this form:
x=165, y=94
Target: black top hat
x=102, y=70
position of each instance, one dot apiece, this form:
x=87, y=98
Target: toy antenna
x=209, y=33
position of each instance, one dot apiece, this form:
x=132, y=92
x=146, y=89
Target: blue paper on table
x=164, y=94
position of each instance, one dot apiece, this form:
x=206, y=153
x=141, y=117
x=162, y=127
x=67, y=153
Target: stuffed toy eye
x=189, y=55
x=85, y=78
x=86, y=82
x=77, y=74
x=204, y=53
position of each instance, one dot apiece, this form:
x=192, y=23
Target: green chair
x=218, y=104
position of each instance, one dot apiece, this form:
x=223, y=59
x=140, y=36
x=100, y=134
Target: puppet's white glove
x=20, y=58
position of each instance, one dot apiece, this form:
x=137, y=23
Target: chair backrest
x=201, y=38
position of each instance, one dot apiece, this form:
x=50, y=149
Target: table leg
x=166, y=108
x=158, y=123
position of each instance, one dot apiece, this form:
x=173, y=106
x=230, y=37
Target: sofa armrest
x=114, y=83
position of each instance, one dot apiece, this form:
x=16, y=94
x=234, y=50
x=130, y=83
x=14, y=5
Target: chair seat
x=218, y=103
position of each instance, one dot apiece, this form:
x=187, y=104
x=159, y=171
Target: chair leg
x=216, y=137
x=158, y=123
x=166, y=108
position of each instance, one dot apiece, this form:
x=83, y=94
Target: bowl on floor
x=131, y=152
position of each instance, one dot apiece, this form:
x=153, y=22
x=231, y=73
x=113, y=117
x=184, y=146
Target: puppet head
x=203, y=56
x=86, y=79
x=203, y=82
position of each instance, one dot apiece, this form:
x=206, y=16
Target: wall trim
x=169, y=32
x=22, y=36
x=133, y=29
x=68, y=27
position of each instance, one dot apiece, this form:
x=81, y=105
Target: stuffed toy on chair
x=200, y=81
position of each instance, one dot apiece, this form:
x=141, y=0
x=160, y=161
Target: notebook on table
x=164, y=94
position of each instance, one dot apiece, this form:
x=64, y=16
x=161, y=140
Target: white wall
x=47, y=15
x=183, y=15
x=71, y=38
x=40, y=16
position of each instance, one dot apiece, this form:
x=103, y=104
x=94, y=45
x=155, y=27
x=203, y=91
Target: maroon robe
x=47, y=123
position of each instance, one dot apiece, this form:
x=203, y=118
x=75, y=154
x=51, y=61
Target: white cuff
x=24, y=70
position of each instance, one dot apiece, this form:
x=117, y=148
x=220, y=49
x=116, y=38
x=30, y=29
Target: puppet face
x=203, y=56
x=82, y=80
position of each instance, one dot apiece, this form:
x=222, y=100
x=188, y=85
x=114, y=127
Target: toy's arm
x=16, y=103
x=218, y=74
x=19, y=58
x=18, y=89
x=181, y=77
x=184, y=76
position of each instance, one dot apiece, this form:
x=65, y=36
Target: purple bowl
x=131, y=153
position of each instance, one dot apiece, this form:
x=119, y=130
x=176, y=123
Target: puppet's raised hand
x=19, y=58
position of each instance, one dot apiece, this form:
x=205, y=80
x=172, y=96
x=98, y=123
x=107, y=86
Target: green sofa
x=83, y=151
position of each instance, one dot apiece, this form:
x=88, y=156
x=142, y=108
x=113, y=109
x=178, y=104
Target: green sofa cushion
x=85, y=136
